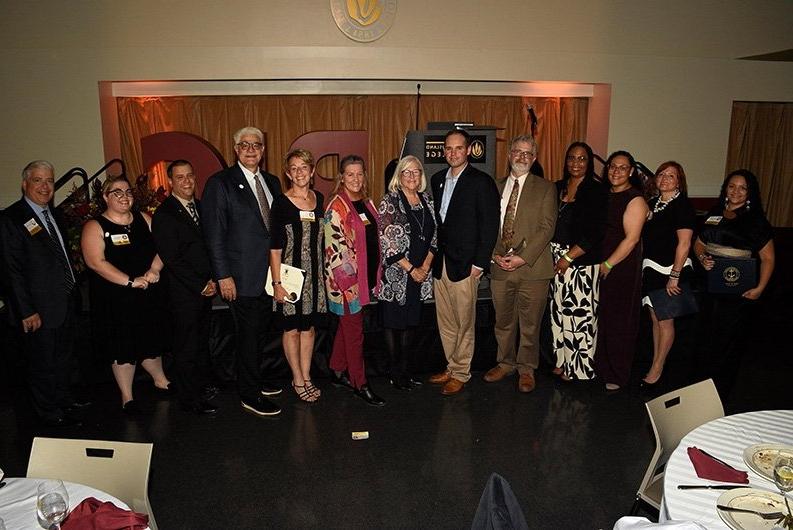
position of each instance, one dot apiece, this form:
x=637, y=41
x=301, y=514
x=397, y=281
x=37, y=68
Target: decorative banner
x=364, y=20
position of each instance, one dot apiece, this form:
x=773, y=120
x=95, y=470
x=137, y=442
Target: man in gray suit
x=235, y=211
x=523, y=262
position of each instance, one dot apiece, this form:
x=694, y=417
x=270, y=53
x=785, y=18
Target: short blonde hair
x=395, y=184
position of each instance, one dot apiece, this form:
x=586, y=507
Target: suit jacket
x=535, y=221
x=180, y=244
x=470, y=230
x=33, y=269
x=236, y=237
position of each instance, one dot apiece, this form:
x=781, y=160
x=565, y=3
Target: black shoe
x=340, y=380
x=400, y=383
x=268, y=389
x=414, y=382
x=260, y=406
x=366, y=394
x=209, y=392
x=133, y=408
x=200, y=407
x=77, y=403
x=165, y=393
x=62, y=422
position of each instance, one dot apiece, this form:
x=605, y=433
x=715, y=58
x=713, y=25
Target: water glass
x=52, y=503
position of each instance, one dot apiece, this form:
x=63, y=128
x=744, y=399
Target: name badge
x=306, y=215
x=364, y=219
x=713, y=220
x=120, y=239
x=33, y=227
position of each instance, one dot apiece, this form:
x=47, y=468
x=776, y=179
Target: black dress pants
x=252, y=317
x=191, y=316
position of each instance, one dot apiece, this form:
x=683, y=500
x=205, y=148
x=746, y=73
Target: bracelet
x=276, y=283
x=129, y=281
x=412, y=268
x=674, y=274
x=608, y=265
x=567, y=258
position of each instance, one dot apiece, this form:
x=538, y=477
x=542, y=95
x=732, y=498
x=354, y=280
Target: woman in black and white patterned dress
x=580, y=226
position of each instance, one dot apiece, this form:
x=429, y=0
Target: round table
x=725, y=438
x=18, y=500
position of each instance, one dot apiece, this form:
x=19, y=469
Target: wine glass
x=52, y=503
x=783, y=478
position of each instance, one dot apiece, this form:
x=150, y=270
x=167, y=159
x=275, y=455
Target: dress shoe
x=133, y=408
x=209, y=392
x=78, y=403
x=496, y=374
x=452, y=386
x=441, y=378
x=414, y=382
x=165, y=393
x=612, y=387
x=526, y=382
x=400, y=383
x=268, y=389
x=340, y=380
x=260, y=406
x=200, y=407
x=366, y=394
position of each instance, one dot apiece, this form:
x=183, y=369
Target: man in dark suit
x=176, y=227
x=466, y=207
x=236, y=214
x=41, y=286
x=524, y=266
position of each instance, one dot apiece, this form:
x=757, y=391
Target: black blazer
x=180, y=244
x=236, y=237
x=32, y=269
x=468, y=235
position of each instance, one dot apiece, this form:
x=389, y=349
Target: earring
x=748, y=204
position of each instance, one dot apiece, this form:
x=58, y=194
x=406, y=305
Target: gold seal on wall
x=364, y=20
x=477, y=149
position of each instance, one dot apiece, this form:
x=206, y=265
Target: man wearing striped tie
x=41, y=293
x=524, y=266
x=176, y=227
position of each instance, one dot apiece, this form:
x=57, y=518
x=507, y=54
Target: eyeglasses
x=573, y=158
x=517, y=153
x=247, y=146
x=411, y=173
x=619, y=169
x=120, y=194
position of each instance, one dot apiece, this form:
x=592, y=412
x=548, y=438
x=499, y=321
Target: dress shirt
x=39, y=211
x=448, y=190
x=508, y=191
x=249, y=176
x=184, y=203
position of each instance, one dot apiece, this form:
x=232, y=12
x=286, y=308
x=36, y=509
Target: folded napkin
x=709, y=468
x=93, y=514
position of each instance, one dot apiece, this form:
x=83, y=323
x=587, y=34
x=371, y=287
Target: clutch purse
x=666, y=307
x=732, y=275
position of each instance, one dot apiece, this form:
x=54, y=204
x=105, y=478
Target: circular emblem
x=731, y=274
x=477, y=149
x=364, y=20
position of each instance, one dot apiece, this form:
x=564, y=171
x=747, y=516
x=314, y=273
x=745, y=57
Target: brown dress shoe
x=452, y=386
x=526, y=383
x=495, y=374
x=441, y=378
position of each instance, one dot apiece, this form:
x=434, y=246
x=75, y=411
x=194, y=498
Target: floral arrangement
x=77, y=208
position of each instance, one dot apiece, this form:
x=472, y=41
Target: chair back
x=118, y=468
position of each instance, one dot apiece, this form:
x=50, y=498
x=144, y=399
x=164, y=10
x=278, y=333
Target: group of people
x=589, y=247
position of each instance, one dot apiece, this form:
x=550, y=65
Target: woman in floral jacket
x=408, y=243
x=352, y=265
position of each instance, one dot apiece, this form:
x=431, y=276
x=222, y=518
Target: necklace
x=419, y=221
x=661, y=205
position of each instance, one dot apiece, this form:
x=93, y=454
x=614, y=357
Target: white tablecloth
x=18, y=501
x=725, y=438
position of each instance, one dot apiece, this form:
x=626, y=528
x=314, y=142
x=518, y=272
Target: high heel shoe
x=303, y=394
x=366, y=394
x=314, y=391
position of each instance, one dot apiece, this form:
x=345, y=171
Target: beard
x=519, y=168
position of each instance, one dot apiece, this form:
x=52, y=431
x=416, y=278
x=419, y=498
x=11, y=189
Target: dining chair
x=672, y=416
x=118, y=468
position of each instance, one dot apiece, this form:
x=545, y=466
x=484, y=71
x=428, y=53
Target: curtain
x=386, y=118
x=761, y=140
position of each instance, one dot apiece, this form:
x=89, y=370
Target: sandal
x=314, y=391
x=304, y=394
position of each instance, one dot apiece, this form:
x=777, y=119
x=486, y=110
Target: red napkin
x=711, y=469
x=93, y=514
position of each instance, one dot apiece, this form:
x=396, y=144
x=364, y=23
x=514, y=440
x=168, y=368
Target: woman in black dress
x=408, y=241
x=735, y=228
x=620, y=272
x=297, y=218
x=667, y=240
x=575, y=246
x=126, y=308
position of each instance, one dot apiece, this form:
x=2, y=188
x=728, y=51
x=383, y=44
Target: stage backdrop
x=386, y=118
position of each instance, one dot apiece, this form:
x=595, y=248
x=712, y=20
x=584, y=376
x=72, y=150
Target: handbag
x=666, y=307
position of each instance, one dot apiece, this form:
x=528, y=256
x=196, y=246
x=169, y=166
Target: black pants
x=252, y=316
x=191, y=345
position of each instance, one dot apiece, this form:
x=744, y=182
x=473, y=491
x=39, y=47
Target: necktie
x=264, y=206
x=193, y=212
x=58, y=248
x=508, y=228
